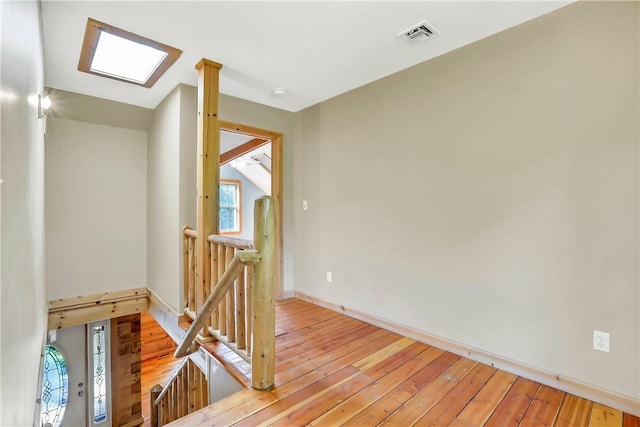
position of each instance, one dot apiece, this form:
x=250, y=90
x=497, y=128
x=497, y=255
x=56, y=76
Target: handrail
x=173, y=377
x=219, y=291
x=231, y=242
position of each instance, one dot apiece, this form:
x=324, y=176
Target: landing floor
x=335, y=370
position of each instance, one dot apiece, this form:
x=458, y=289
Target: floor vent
x=419, y=32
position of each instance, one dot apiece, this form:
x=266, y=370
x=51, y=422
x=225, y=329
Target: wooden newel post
x=263, y=296
x=153, y=395
x=207, y=174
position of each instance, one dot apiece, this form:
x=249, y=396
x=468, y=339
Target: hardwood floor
x=334, y=370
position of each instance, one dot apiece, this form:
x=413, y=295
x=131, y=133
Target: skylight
x=118, y=54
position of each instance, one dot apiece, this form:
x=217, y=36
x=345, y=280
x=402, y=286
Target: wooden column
x=264, y=287
x=208, y=173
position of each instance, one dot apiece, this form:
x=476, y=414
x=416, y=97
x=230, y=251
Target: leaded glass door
x=72, y=348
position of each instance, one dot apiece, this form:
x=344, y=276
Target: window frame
x=90, y=43
x=238, y=208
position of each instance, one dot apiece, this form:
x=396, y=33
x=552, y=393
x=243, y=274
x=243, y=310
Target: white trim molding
x=289, y=293
x=166, y=316
x=579, y=388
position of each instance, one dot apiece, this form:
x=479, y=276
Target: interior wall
x=96, y=200
x=490, y=196
x=248, y=194
x=164, y=230
x=23, y=305
x=100, y=111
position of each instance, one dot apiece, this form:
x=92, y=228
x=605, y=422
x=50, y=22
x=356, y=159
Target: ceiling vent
x=419, y=32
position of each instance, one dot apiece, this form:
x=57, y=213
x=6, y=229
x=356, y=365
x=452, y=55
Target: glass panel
x=227, y=195
x=99, y=374
x=55, y=387
x=227, y=219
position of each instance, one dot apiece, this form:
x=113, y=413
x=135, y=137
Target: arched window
x=55, y=387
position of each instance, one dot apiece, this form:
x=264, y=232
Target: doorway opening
x=250, y=166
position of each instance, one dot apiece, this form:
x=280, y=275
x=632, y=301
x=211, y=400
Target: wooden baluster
x=191, y=294
x=169, y=404
x=184, y=402
x=263, y=353
x=185, y=267
x=193, y=384
x=249, y=306
x=240, y=313
x=153, y=396
x=231, y=307
x=174, y=401
x=205, y=389
x=208, y=286
x=179, y=394
x=184, y=392
x=162, y=413
x=222, y=267
x=214, y=278
x=196, y=382
x=168, y=407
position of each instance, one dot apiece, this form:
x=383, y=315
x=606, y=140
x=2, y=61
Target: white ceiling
x=315, y=50
x=231, y=140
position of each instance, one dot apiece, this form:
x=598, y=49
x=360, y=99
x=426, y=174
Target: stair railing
x=187, y=391
x=239, y=309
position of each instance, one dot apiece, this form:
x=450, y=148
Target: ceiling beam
x=241, y=150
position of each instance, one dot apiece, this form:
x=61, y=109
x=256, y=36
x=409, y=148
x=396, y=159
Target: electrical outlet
x=305, y=206
x=329, y=277
x=601, y=341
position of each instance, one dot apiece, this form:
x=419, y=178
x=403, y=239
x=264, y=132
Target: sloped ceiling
x=314, y=50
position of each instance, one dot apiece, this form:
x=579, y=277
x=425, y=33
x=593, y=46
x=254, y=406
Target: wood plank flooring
x=334, y=370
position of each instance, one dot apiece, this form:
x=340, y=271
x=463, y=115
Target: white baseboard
x=579, y=388
x=288, y=294
x=166, y=316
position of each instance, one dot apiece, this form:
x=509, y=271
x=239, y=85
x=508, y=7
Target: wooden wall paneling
x=126, y=404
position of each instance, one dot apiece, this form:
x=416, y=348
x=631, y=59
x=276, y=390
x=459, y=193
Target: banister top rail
x=173, y=377
x=217, y=293
x=231, y=242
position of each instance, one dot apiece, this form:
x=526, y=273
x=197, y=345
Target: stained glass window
x=98, y=347
x=55, y=387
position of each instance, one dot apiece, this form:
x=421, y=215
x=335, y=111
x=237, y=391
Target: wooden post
x=264, y=318
x=153, y=395
x=207, y=172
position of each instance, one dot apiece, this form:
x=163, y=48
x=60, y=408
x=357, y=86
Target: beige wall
x=164, y=241
x=90, y=109
x=22, y=292
x=96, y=198
x=490, y=196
